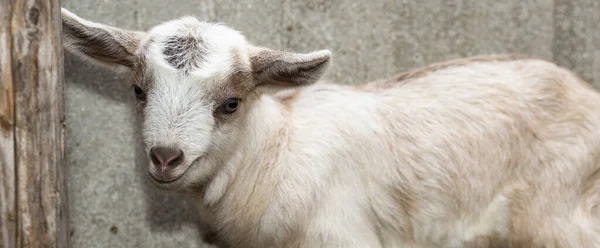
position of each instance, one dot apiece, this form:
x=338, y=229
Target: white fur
x=473, y=154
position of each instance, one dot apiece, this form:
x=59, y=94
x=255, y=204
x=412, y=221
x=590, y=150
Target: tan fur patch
x=239, y=84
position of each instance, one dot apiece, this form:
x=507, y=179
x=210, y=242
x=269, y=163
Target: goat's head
x=195, y=82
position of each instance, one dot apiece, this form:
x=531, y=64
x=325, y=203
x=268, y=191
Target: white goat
x=497, y=151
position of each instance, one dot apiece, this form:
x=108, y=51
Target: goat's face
x=196, y=83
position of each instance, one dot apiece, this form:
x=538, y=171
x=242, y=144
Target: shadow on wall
x=165, y=211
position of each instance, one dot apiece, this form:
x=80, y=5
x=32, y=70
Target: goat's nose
x=166, y=156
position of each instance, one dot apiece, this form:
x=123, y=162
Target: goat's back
x=477, y=152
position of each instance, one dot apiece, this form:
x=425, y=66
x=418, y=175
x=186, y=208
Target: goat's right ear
x=101, y=42
x=273, y=67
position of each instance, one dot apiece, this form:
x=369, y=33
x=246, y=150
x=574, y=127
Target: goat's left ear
x=102, y=43
x=287, y=68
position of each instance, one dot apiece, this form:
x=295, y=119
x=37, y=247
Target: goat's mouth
x=164, y=179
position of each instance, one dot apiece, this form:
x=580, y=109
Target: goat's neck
x=264, y=124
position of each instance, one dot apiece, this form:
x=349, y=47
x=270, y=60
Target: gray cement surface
x=112, y=204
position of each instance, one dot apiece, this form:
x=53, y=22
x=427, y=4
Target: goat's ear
x=101, y=42
x=287, y=68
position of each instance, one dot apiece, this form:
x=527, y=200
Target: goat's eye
x=231, y=105
x=139, y=93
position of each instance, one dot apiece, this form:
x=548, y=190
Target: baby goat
x=497, y=151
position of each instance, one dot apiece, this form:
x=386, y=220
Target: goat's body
x=478, y=152
x=485, y=154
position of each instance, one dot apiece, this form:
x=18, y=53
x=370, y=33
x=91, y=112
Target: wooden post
x=33, y=192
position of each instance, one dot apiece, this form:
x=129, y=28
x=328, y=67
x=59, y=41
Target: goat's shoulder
x=320, y=93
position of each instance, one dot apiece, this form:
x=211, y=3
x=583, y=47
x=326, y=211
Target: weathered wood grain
x=32, y=118
x=7, y=165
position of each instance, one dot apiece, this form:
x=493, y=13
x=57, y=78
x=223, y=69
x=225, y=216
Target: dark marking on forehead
x=184, y=52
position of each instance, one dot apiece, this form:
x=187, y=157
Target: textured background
x=112, y=203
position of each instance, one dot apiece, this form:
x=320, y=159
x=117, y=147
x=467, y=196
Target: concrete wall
x=113, y=204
